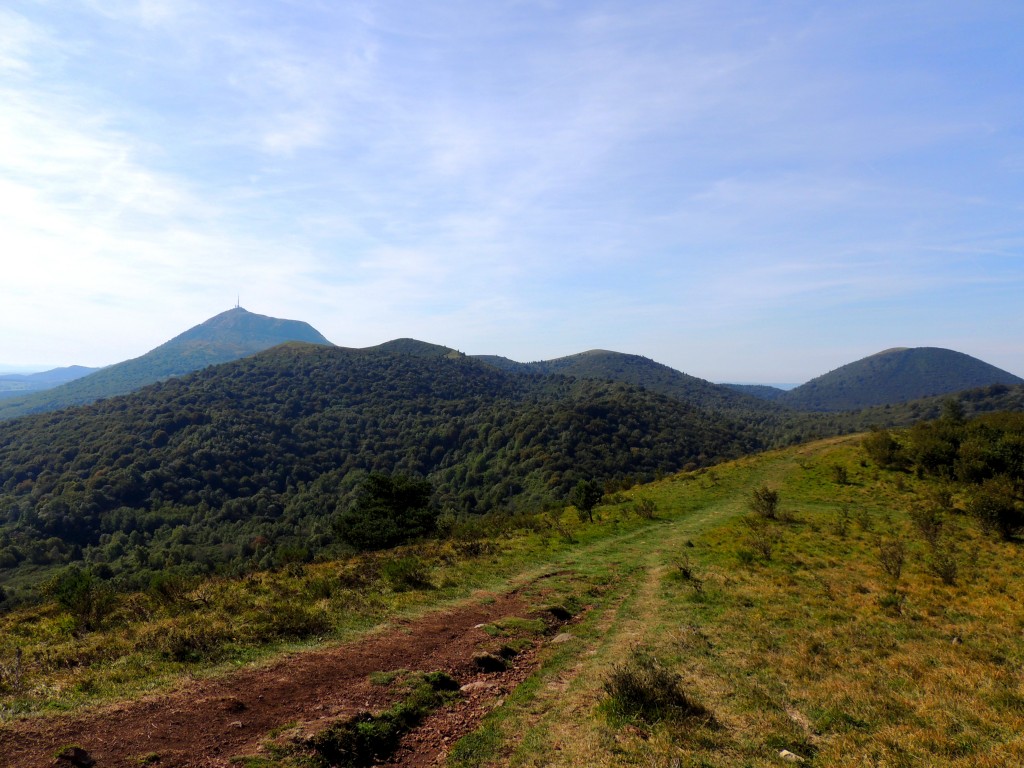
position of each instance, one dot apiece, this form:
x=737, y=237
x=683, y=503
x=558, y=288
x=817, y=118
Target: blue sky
x=746, y=191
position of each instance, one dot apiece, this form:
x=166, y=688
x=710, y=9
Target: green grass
x=790, y=633
x=798, y=652
x=149, y=641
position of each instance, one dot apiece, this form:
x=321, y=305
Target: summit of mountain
x=228, y=336
x=895, y=375
x=413, y=347
x=637, y=370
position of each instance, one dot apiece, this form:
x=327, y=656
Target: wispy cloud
x=534, y=173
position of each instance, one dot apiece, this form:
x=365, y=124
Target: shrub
x=82, y=595
x=405, y=573
x=891, y=556
x=645, y=508
x=686, y=572
x=765, y=502
x=585, y=496
x=645, y=688
x=292, y=620
x=839, y=474
x=928, y=519
x=842, y=523
x=942, y=563
x=892, y=602
x=763, y=536
x=195, y=642
x=993, y=505
x=883, y=449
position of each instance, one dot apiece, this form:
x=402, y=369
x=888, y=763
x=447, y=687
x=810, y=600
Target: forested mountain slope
x=895, y=376
x=640, y=371
x=194, y=469
x=225, y=337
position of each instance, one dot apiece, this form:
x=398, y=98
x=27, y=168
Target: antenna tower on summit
x=238, y=301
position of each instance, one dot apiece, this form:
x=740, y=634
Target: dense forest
x=252, y=464
x=248, y=464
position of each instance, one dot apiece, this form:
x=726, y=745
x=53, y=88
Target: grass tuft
x=646, y=688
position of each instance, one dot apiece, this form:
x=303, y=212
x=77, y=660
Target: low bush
x=645, y=688
x=644, y=508
x=765, y=502
x=405, y=573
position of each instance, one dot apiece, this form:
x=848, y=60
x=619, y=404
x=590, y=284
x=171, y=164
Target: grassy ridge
x=814, y=649
x=791, y=633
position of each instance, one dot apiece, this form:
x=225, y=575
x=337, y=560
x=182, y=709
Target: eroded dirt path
x=207, y=722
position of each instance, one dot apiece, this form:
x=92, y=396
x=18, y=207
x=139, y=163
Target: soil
x=204, y=723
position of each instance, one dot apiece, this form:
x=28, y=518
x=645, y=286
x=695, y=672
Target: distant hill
x=895, y=376
x=13, y=384
x=228, y=336
x=639, y=371
x=414, y=348
x=763, y=391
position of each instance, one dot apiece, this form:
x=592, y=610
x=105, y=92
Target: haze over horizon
x=744, y=194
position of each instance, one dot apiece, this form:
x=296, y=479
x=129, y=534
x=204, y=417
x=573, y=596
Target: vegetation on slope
x=640, y=371
x=895, y=376
x=248, y=464
x=869, y=621
x=867, y=616
x=225, y=337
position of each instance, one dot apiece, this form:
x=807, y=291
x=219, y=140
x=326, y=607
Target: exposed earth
x=207, y=722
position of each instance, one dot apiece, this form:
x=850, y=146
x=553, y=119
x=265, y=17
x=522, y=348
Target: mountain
x=13, y=384
x=895, y=376
x=605, y=365
x=197, y=467
x=223, y=338
x=413, y=347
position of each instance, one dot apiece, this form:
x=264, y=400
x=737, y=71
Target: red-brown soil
x=205, y=723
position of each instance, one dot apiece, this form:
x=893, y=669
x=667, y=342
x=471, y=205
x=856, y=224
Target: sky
x=745, y=191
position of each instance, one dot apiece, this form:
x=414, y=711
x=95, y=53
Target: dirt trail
x=205, y=723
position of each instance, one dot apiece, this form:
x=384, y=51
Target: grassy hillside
x=791, y=634
x=895, y=376
x=225, y=337
x=708, y=634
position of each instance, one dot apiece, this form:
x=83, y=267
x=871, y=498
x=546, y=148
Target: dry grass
x=820, y=650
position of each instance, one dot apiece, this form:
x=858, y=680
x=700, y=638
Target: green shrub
x=892, y=554
x=195, y=642
x=883, y=449
x=83, y=595
x=405, y=573
x=995, y=507
x=644, y=508
x=765, y=502
x=292, y=620
x=645, y=688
